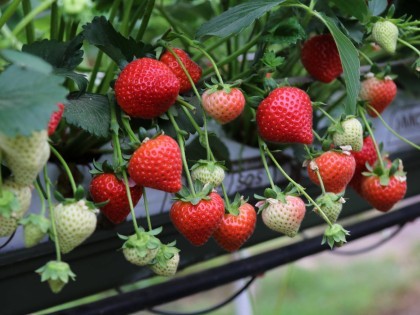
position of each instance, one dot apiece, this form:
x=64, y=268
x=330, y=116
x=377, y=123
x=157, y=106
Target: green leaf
x=350, y=61
x=78, y=78
x=283, y=31
x=27, y=99
x=102, y=34
x=236, y=18
x=376, y=7
x=27, y=61
x=89, y=112
x=356, y=8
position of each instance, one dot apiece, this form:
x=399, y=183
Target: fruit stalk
x=261, y=144
x=11, y=9
x=361, y=53
x=28, y=18
x=128, y=4
x=30, y=30
x=145, y=21
x=40, y=192
x=66, y=168
x=318, y=174
x=405, y=43
x=146, y=209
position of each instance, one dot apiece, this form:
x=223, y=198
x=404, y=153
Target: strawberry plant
x=156, y=90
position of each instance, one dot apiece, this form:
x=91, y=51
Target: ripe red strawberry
x=336, y=170
x=197, y=222
x=157, y=164
x=193, y=69
x=321, y=59
x=383, y=191
x=55, y=119
x=108, y=187
x=283, y=216
x=236, y=229
x=378, y=93
x=223, y=105
x=285, y=116
x=366, y=155
x=146, y=88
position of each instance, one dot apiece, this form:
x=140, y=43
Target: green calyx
x=218, y=86
x=396, y=169
x=38, y=220
x=143, y=241
x=335, y=235
x=210, y=165
x=8, y=204
x=79, y=196
x=331, y=204
x=164, y=254
x=105, y=168
x=57, y=273
x=202, y=192
x=275, y=193
x=233, y=207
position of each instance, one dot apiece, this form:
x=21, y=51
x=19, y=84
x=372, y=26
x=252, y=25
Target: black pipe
x=184, y=286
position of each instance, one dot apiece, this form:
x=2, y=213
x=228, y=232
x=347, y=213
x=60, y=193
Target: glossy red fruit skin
x=193, y=69
x=366, y=155
x=336, y=170
x=378, y=93
x=285, y=116
x=55, y=119
x=224, y=107
x=108, y=187
x=235, y=230
x=321, y=59
x=383, y=198
x=146, y=88
x=198, y=222
x=157, y=164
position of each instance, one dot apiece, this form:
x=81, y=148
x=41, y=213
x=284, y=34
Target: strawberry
x=321, y=59
x=192, y=68
x=283, y=215
x=57, y=273
x=378, y=93
x=285, y=116
x=166, y=260
x=75, y=222
x=146, y=88
x=385, y=34
x=25, y=155
x=197, y=217
x=237, y=227
x=107, y=186
x=14, y=203
x=157, y=164
x=384, y=189
x=35, y=228
x=349, y=133
x=141, y=248
x=331, y=204
x=223, y=105
x=366, y=155
x=208, y=172
x=55, y=119
x=336, y=170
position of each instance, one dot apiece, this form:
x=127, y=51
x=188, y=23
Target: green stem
x=375, y=144
x=44, y=194
x=409, y=46
x=299, y=188
x=127, y=127
x=225, y=196
x=52, y=214
x=54, y=18
x=128, y=4
x=185, y=104
x=28, y=18
x=138, y=14
x=213, y=46
x=30, y=30
x=145, y=20
x=66, y=168
x=326, y=114
x=317, y=136
x=146, y=209
x=1, y=178
x=62, y=27
x=11, y=9
x=264, y=161
x=95, y=71
x=109, y=75
x=361, y=53
x=181, y=144
x=41, y=197
x=392, y=130
x=130, y=202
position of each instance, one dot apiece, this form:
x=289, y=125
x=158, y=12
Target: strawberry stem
x=52, y=214
x=127, y=127
x=41, y=197
x=145, y=20
x=361, y=53
x=30, y=30
x=7, y=14
x=326, y=114
x=66, y=168
x=409, y=46
x=317, y=136
x=28, y=18
x=146, y=209
x=362, y=114
x=392, y=130
x=181, y=144
x=318, y=174
x=261, y=145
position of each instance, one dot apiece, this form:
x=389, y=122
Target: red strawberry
x=336, y=170
x=193, y=69
x=285, y=116
x=223, y=105
x=108, y=187
x=321, y=59
x=382, y=189
x=236, y=229
x=378, y=93
x=146, y=88
x=198, y=221
x=366, y=155
x=55, y=119
x=157, y=164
